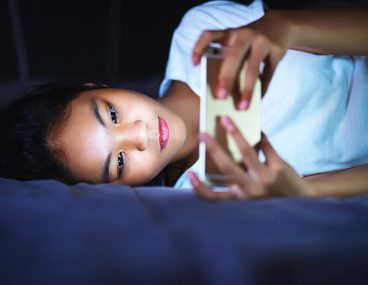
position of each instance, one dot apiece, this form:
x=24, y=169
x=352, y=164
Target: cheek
x=142, y=168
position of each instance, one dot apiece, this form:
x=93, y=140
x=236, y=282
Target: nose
x=133, y=135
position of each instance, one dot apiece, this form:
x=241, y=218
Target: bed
x=51, y=233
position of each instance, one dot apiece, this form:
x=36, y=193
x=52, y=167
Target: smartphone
x=211, y=109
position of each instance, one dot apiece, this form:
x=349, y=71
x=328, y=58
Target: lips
x=163, y=130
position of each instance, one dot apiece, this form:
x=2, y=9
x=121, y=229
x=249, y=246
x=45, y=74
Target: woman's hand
x=265, y=40
x=274, y=177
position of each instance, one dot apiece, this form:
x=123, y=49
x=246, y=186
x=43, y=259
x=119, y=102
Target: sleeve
x=213, y=15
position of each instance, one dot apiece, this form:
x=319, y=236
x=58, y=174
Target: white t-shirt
x=315, y=112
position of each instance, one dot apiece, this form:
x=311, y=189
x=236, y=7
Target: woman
x=106, y=134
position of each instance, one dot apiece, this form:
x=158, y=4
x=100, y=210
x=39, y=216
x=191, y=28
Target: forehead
x=83, y=141
x=113, y=94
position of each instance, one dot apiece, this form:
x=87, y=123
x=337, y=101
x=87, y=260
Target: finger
x=238, y=191
x=254, y=191
x=268, y=150
x=266, y=76
x=249, y=155
x=271, y=63
x=230, y=67
x=223, y=162
x=229, y=167
x=207, y=193
x=203, y=41
x=251, y=74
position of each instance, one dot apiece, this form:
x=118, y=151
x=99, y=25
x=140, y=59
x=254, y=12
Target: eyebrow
x=105, y=176
x=96, y=113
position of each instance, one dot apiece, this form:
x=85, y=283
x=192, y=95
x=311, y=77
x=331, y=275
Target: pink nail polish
x=195, y=59
x=227, y=123
x=243, y=104
x=191, y=176
x=204, y=137
x=222, y=93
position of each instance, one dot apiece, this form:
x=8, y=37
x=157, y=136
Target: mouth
x=163, y=130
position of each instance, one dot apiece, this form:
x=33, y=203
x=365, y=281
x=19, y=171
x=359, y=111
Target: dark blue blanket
x=51, y=233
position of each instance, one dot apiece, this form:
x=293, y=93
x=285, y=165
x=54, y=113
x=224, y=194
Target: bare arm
x=348, y=182
x=332, y=30
x=324, y=31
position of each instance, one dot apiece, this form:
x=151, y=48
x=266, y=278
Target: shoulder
x=220, y=15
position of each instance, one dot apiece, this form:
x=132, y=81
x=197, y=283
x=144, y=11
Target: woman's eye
x=113, y=114
x=121, y=163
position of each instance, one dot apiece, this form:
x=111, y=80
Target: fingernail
x=222, y=93
x=195, y=59
x=228, y=124
x=243, y=104
x=204, y=137
x=191, y=176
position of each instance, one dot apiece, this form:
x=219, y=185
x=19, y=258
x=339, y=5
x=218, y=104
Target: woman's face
x=119, y=136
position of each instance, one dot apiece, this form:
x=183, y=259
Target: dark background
x=96, y=40
x=93, y=39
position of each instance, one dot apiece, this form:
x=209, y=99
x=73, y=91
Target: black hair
x=25, y=128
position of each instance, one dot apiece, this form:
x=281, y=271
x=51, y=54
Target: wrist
x=293, y=28
x=288, y=24
x=310, y=190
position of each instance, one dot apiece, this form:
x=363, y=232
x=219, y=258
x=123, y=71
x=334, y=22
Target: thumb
x=266, y=75
x=268, y=150
x=270, y=64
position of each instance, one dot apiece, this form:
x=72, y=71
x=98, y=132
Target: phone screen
x=211, y=109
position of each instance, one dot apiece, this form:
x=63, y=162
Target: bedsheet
x=52, y=233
